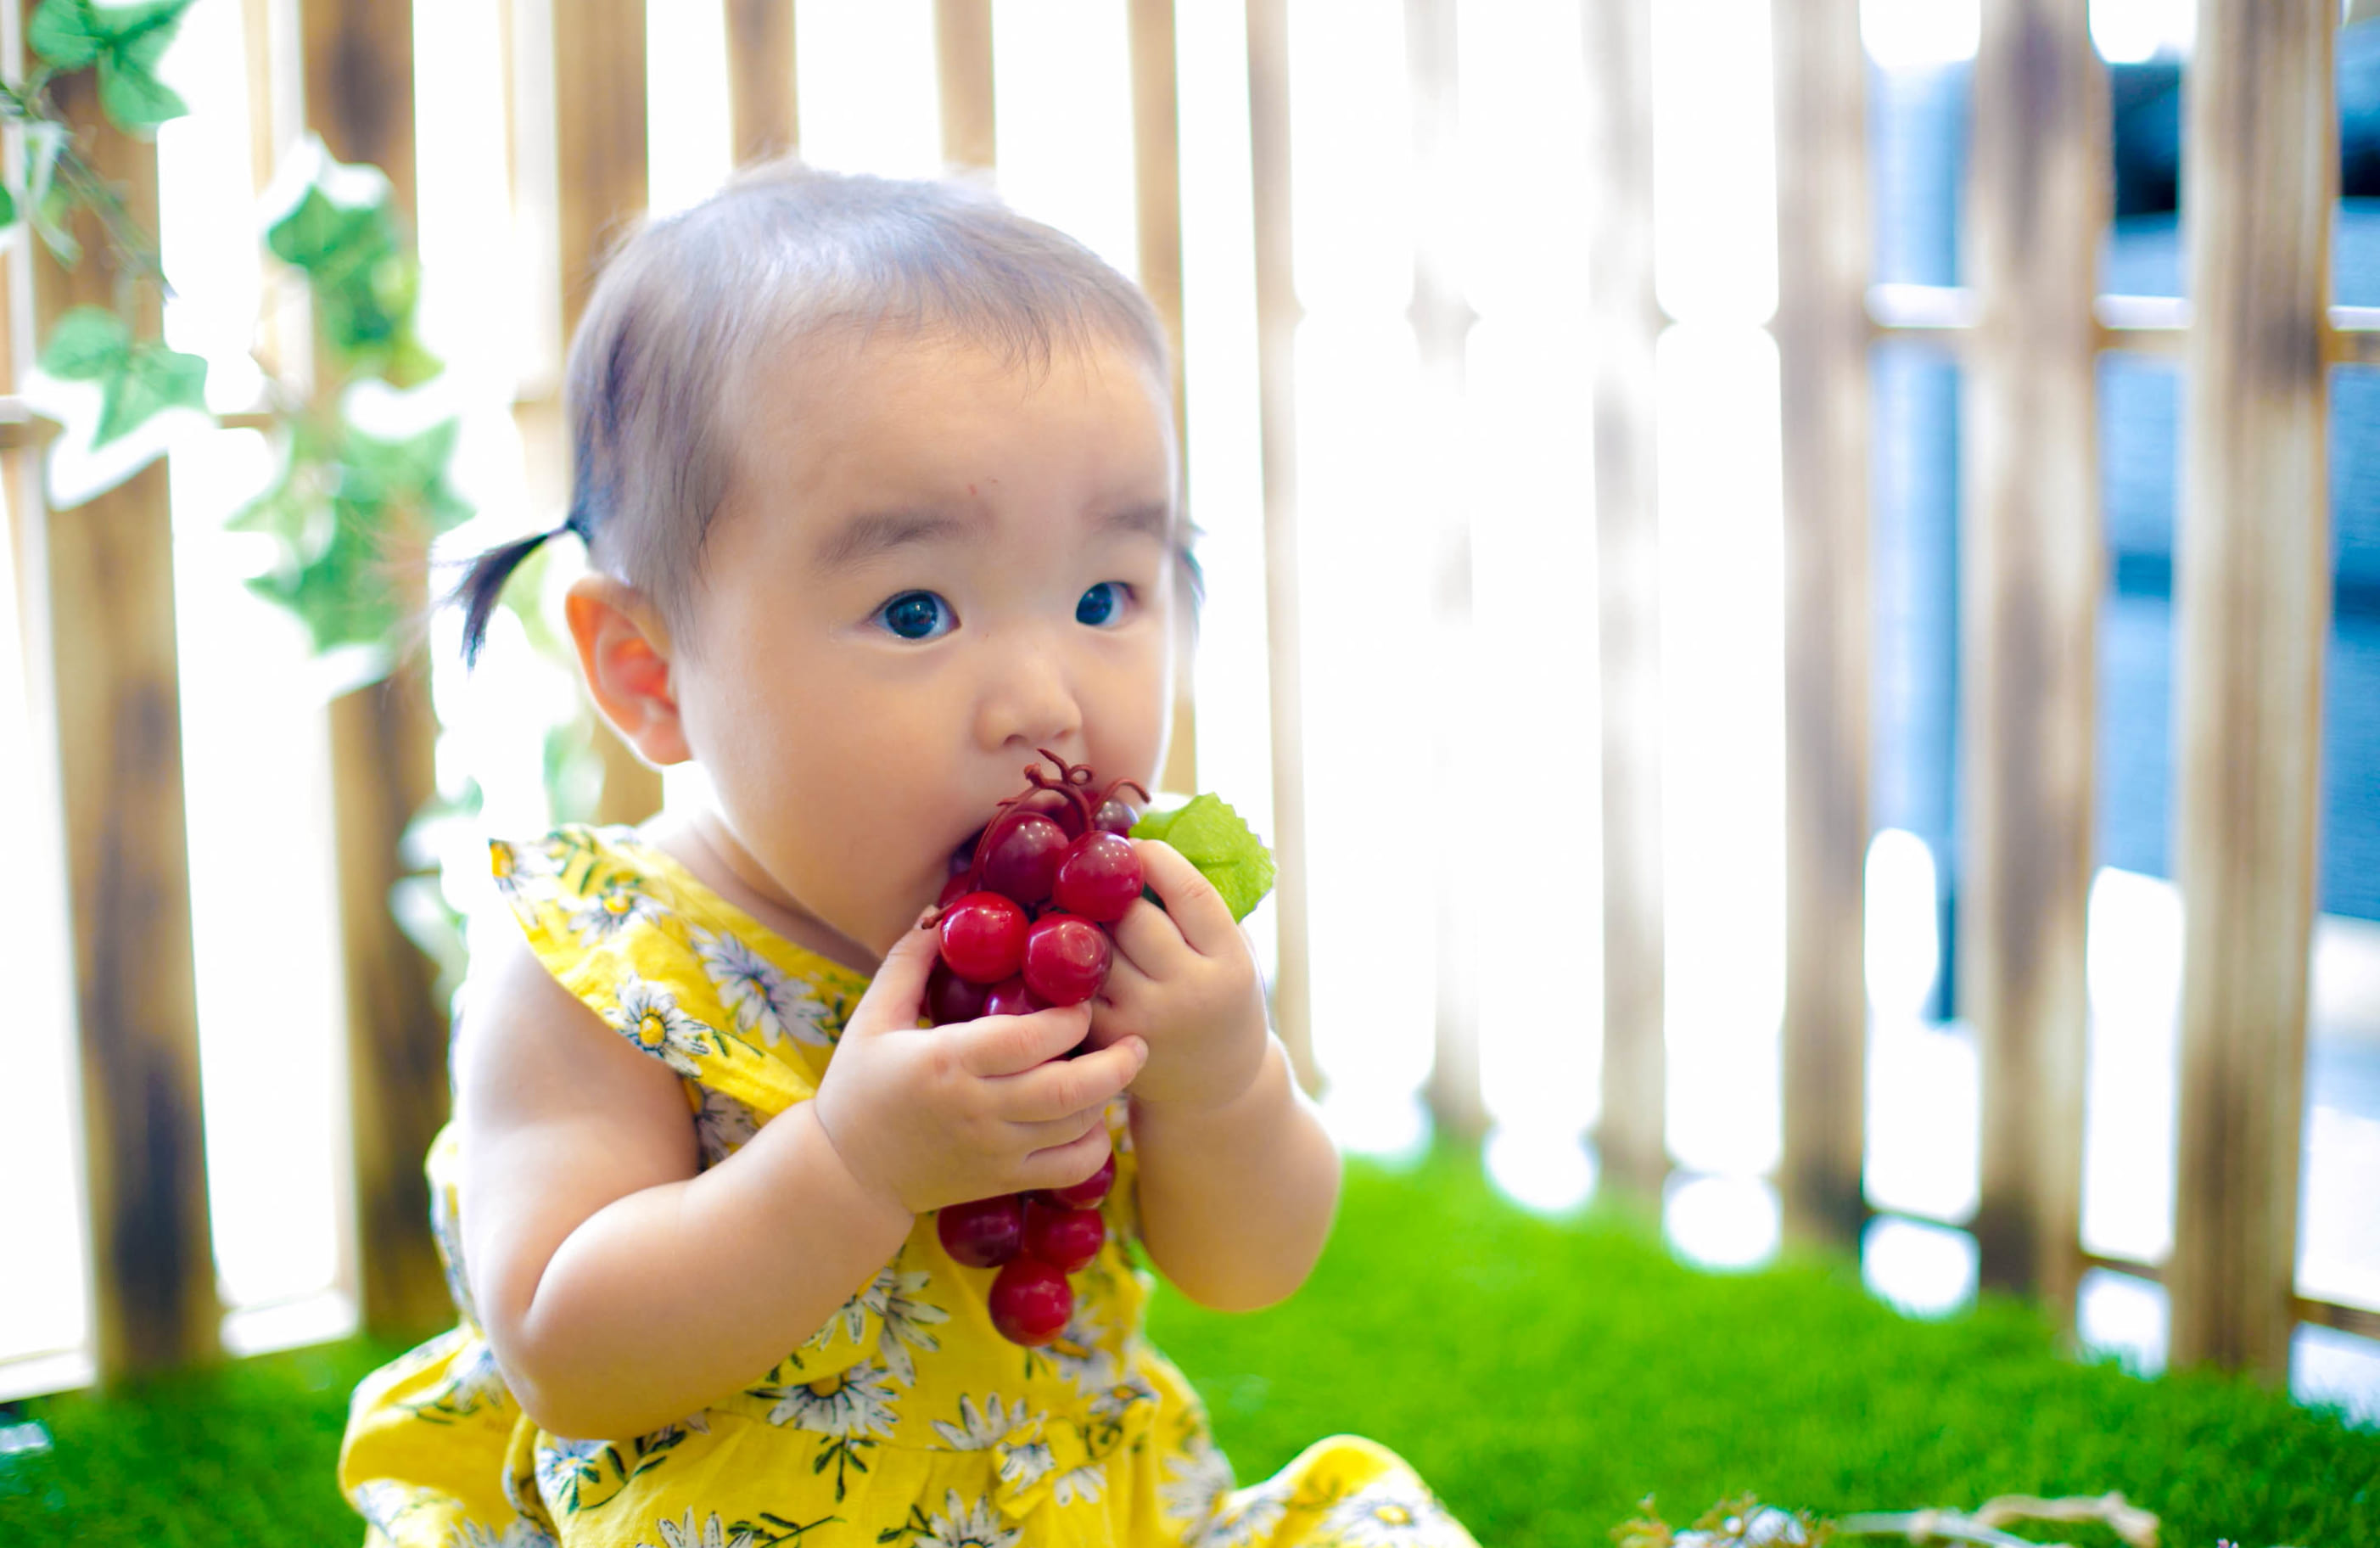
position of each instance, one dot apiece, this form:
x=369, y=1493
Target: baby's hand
x=1185, y=983
x=934, y=1116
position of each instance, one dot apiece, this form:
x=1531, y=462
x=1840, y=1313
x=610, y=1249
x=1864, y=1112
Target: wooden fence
x=2257, y=340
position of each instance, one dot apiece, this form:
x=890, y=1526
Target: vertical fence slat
x=113, y=655
x=1441, y=321
x=1277, y=315
x=359, y=63
x=1822, y=270
x=963, y=61
x=1631, y=1139
x=2038, y=203
x=1157, y=209
x=601, y=186
x=761, y=78
x=2260, y=180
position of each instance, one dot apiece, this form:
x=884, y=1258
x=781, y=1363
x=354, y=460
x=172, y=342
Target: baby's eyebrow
x=1153, y=519
x=865, y=536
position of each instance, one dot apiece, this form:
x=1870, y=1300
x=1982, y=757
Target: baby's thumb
x=897, y=995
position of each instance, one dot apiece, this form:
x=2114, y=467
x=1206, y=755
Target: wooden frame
x=2260, y=180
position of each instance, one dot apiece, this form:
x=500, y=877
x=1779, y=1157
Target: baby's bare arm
x=620, y=1289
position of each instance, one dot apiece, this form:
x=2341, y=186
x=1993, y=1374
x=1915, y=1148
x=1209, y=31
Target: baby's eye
x=916, y=616
x=1103, y=604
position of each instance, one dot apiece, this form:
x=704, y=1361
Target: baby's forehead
x=907, y=423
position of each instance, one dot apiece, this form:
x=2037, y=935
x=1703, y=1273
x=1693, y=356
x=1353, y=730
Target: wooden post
x=2037, y=209
x=1157, y=203
x=963, y=57
x=1441, y=320
x=761, y=78
x=2259, y=181
x=1632, y=1137
x=116, y=698
x=1277, y=316
x=1821, y=328
x=358, y=66
x=601, y=186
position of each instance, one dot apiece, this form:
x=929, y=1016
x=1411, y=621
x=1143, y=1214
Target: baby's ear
x=624, y=648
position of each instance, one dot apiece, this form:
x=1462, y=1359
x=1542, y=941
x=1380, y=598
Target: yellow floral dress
x=907, y=1422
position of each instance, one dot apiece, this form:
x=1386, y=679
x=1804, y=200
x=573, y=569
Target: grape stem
x=1070, y=782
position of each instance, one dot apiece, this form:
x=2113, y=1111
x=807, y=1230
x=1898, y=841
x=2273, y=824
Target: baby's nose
x=1028, y=700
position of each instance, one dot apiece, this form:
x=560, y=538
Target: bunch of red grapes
x=1024, y=927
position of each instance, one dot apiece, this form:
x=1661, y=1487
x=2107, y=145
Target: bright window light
x=1914, y=34
x=1714, y=161
x=1722, y=632
x=689, y=135
x=1927, y=1271
x=1549, y=1171
x=2133, y=968
x=865, y=87
x=1904, y=944
x=2122, y=1315
x=1721, y=1222
x=1061, y=97
x=2133, y=32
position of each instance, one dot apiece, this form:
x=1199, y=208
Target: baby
x=878, y=485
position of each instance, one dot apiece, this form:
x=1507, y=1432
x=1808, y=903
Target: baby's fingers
x=897, y=993
x=1064, y=1088
x=1065, y=1166
x=1000, y=1045
x=1191, y=901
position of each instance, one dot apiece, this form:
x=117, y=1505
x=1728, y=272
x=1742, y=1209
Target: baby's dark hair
x=784, y=255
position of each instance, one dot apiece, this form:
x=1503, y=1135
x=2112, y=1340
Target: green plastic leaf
x=325, y=238
x=153, y=380
x=67, y=33
x=1210, y=836
x=125, y=43
x=89, y=344
x=134, y=98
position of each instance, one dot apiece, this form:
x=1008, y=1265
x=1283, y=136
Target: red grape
x=1088, y=1193
x=1099, y=877
x=983, y=937
x=1065, y=1238
x=951, y=998
x=1030, y=1302
x=1009, y=997
x=1113, y=817
x=981, y=1233
x=1065, y=958
x=1023, y=864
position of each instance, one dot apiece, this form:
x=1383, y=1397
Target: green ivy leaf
x=153, y=380
x=89, y=344
x=125, y=43
x=1210, y=836
x=66, y=33
x=342, y=595
x=410, y=474
x=325, y=239
x=136, y=99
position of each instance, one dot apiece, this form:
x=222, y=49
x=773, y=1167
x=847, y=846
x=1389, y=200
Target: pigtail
x=483, y=585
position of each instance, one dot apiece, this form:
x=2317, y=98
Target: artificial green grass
x=1543, y=1377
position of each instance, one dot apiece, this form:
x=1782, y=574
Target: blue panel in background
x=1918, y=121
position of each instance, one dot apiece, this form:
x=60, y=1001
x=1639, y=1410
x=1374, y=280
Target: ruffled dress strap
x=683, y=974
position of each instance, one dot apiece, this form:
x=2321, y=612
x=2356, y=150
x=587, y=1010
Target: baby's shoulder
x=668, y=966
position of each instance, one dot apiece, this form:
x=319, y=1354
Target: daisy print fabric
x=905, y=1420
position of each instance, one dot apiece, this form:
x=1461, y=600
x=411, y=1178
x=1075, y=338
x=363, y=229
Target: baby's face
x=931, y=563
